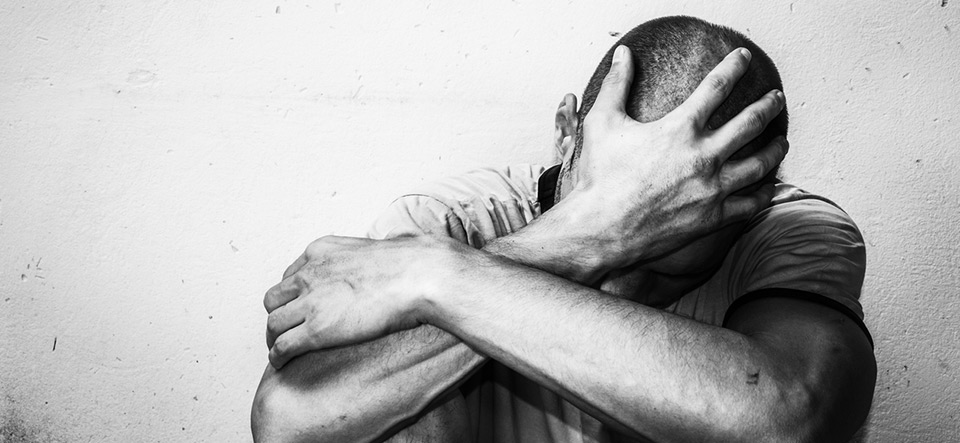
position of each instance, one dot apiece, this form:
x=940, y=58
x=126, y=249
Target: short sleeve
x=474, y=207
x=417, y=215
x=807, y=245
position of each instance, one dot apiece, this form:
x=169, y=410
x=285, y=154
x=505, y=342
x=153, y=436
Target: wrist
x=546, y=246
x=441, y=265
x=600, y=235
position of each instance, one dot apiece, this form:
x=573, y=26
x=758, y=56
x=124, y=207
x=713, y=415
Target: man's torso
x=802, y=242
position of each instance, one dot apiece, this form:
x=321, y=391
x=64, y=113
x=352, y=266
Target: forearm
x=361, y=392
x=554, y=243
x=660, y=375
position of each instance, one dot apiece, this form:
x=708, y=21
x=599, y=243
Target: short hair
x=671, y=56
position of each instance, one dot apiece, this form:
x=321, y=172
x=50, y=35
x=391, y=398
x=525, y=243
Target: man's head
x=671, y=56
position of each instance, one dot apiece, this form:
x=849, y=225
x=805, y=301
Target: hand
x=344, y=291
x=644, y=189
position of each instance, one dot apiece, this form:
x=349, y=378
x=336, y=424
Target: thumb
x=612, y=97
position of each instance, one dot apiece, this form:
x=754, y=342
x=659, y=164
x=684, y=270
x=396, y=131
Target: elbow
x=272, y=419
x=287, y=412
x=792, y=414
x=815, y=412
x=282, y=414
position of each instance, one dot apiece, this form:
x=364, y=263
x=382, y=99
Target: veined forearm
x=555, y=243
x=361, y=392
x=660, y=375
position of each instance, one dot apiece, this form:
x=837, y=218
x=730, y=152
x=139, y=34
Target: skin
x=346, y=296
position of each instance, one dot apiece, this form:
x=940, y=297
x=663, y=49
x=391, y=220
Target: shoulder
x=793, y=208
x=804, y=242
x=473, y=207
x=802, y=247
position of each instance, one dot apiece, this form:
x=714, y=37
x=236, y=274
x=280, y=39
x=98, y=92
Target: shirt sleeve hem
x=800, y=295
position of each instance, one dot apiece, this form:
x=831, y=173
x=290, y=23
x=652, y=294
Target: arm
x=365, y=392
x=292, y=300
x=409, y=379
x=785, y=370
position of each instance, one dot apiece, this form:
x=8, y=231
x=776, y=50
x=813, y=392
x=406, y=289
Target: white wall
x=162, y=162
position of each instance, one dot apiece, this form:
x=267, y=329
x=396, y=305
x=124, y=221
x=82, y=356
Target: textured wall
x=162, y=162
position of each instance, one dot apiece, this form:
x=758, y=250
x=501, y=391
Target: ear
x=566, y=124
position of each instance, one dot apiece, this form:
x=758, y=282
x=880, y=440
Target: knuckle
x=712, y=192
x=315, y=325
x=293, y=268
x=763, y=166
x=717, y=83
x=755, y=122
x=304, y=280
x=270, y=299
x=271, y=323
x=613, y=75
x=685, y=122
x=687, y=119
x=705, y=163
x=267, y=302
x=281, y=347
x=317, y=247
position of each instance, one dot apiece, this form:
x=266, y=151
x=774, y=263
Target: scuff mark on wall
x=141, y=77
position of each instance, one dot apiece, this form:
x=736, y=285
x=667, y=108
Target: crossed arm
x=784, y=370
x=658, y=375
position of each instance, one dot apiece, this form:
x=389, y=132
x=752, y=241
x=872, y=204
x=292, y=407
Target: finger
x=715, y=87
x=748, y=124
x=570, y=114
x=297, y=264
x=283, y=292
x=612, y=97
x=294, y=342
x=738, y=174
x=283, y=319
x=737, y=208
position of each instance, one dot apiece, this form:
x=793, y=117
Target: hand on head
x=644, y=189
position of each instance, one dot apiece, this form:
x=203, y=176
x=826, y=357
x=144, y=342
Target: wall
x=162, y=163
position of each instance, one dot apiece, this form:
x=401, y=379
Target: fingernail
x=780, y=96
x=618, y=53
x=745, y=53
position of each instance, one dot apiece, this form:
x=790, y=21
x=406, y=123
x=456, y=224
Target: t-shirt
x=803, y=243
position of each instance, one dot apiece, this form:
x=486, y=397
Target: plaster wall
x=161, y=163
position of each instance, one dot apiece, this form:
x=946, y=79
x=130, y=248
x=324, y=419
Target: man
x=714, y=319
